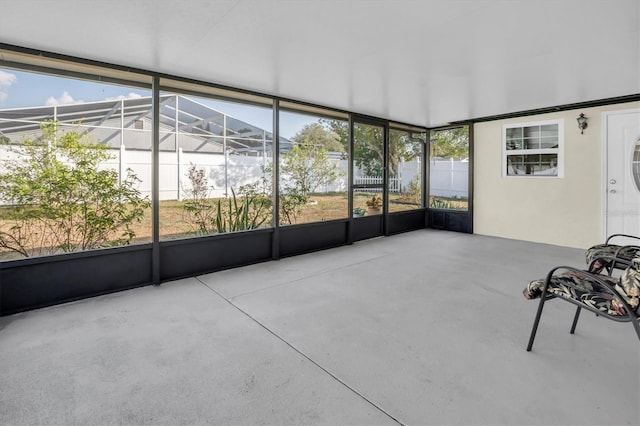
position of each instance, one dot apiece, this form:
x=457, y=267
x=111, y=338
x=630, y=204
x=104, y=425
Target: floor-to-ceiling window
x=314, y=155
x=368, y=169
x=215, y=164
x=449, y=169
x=75, y=162
x=405, y=168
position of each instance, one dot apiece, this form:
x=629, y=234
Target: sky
x=20, y=89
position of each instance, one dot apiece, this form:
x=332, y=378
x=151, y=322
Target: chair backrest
x=629, y=284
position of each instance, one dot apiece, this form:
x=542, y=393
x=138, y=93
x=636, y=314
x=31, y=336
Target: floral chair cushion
x=577, y=285
x=607, y=251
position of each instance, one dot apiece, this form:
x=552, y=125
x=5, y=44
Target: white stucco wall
x=564, y=211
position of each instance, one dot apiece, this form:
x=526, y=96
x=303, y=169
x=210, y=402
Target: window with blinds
x=533, y=149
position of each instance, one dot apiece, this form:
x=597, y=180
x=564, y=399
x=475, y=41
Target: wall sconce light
x=582, y=123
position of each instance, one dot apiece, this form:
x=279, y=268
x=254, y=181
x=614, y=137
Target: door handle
x=612, y=181
x=613, y=191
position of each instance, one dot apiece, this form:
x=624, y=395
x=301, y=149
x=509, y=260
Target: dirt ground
x=174, y=222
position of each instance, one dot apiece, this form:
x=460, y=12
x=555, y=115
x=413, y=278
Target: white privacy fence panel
x=449, y=178
x=408, y=171
x=223, y=174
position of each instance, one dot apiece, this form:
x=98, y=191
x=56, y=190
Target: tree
x=368, y=151
x=317, y=134
x=450, y=143
x=403, y=146
x=61, y=201
x=303, y=170
x=368, y=147
x=340, y=128
x=306, y=168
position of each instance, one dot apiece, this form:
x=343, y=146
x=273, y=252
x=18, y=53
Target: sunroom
x=166, y=143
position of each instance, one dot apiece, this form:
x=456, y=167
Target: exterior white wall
x=564, y=211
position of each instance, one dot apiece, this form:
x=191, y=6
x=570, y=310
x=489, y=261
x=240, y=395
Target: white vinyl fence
x=394, y=183
x=448, y=177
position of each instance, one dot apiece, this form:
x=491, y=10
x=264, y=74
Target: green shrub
x=415, y=190
x=438, y=203
x=248, y=210
x=61, y=201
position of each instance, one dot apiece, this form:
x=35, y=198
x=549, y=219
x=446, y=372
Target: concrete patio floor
x=426, y=327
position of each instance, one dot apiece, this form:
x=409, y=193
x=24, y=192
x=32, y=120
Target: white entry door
x=622, y=208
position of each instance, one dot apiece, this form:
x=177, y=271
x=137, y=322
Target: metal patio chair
x=614, y=298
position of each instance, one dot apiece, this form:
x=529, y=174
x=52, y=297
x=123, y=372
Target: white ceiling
x=425, y=62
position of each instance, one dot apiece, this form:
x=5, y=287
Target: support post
x=178, y=149
x=179, y=165
x=275, y=242
x=451, y=180
x=123, y=163
x=155, y=183
x=350, y=173
x=224, y=154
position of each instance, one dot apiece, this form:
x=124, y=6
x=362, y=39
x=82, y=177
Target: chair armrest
x=612, y=260
x=593, y=278
x=621, y=235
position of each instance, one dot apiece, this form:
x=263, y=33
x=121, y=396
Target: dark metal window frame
x=370, y=121
x=451, y=220
x=423, y=157
x=319, y=112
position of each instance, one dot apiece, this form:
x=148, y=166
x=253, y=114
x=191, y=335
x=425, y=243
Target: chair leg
x=636, y=325
x=536, y=321
x=575, y=320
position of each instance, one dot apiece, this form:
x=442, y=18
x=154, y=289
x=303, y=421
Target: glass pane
x=549, y=142
x=368, y=162
x=514, y=133
x=313, y=168
x=536, y=164
x=215, y=166
x=531, y=143
x=532, y=137
x=74, y=175
x=515, y=144
x=449, y=169
x=405, y=169
x=549, y=130
x=531, y=131
x=515, y=165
